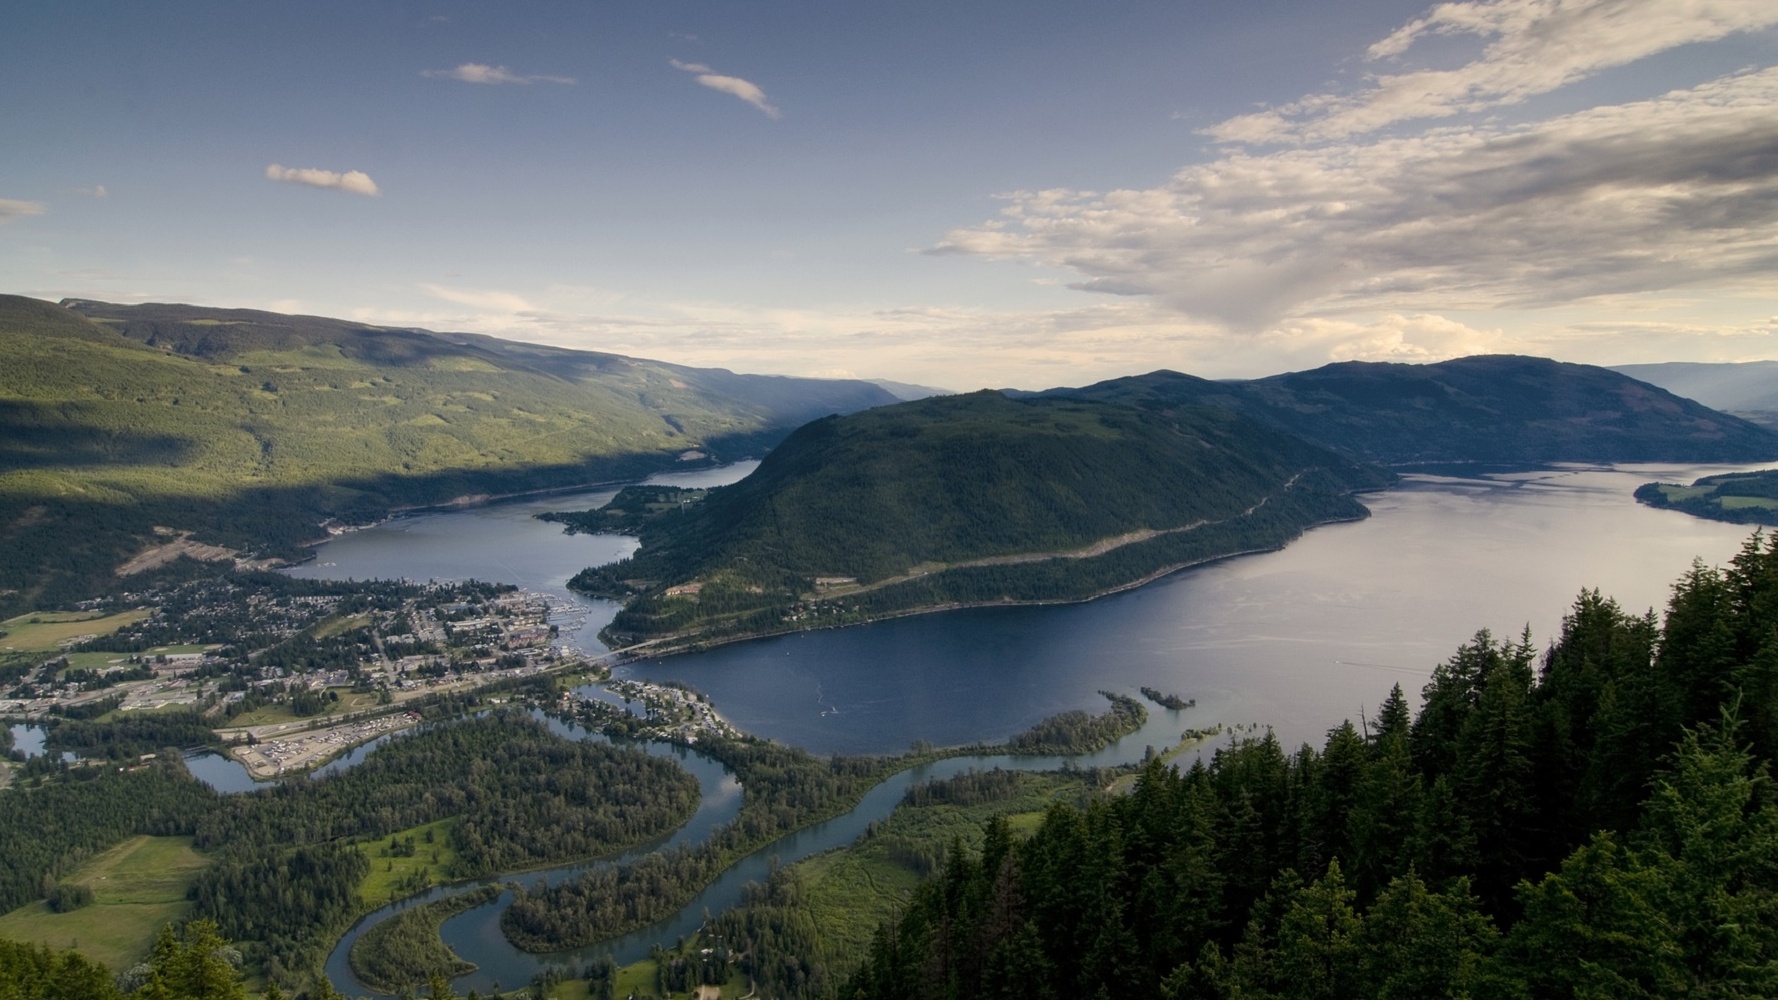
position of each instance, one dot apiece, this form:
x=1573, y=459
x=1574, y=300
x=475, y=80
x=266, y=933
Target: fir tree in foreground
x=1596, y=822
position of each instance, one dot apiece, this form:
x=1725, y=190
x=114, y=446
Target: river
x=1295, y=640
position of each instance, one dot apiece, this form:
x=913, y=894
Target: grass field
x=263, y=716
x=1677, y=493
x=386, y=872
x=339, y=623
x=138, y=887
x=96, y=661
x=849, y=892
x=638, y=980
x=45, y=631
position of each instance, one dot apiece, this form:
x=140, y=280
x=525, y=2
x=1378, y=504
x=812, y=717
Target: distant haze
x=1748, y=386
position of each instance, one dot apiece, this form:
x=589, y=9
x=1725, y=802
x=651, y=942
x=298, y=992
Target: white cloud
x=483, y=73
x=731, y=85
x=12, y=209
x=352, y=181
x=1532, y=47
x=485, y=300
x=96, y=191
x=1676, y=192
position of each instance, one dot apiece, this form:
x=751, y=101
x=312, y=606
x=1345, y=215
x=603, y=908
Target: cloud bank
x=491, y=75
x=352, y=181
x=1676, y=192
x=1531, y=47
x=731, y=85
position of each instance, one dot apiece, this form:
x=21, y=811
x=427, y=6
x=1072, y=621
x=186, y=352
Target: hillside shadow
x=33, y=436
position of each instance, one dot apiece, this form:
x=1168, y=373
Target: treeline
x=283, y=905
x=522, y=795
x=47, y=830
x=1077, y=731
x=404, y=951
x=967, y=789
x=130, y=735
x=784, y=789
x=1599, y=823
x=193, y=963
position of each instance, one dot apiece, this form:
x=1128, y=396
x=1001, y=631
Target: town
x=288, y=673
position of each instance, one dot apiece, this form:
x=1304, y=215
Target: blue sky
x=959, y=194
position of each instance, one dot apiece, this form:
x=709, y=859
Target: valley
x=712, y=501
x=579, y=778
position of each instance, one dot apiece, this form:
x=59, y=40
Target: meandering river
x=1296, y=640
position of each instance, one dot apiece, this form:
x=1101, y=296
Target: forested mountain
x=967, y=499
x=1598, y=821
x=250, y=428
x=1491, y=408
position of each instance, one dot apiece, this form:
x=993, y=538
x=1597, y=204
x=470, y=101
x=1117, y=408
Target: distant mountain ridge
x=251, y=428
x=1486, y=408
x=1740, y=387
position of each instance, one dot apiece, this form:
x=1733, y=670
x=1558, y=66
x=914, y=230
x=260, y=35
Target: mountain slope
x=1744, y=387
x=1494, y=408
x=968, y=499
x=251, y=428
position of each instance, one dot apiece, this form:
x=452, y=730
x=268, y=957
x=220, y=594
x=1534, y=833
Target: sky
x=955, y=194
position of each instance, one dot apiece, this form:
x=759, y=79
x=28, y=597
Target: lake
x=1297, y=639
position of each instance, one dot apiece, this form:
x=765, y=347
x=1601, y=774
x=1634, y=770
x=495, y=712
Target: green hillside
x=1493, y=408
x=965, y=499
x=1736, y=497
x=249, y=429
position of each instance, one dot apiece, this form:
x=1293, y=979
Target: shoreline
x=469, y=501
x=643, y=651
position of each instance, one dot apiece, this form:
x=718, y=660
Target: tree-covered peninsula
x=967, y=500
x=1736, y=497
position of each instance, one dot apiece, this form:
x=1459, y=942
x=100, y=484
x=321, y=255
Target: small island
x=1166, y=700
